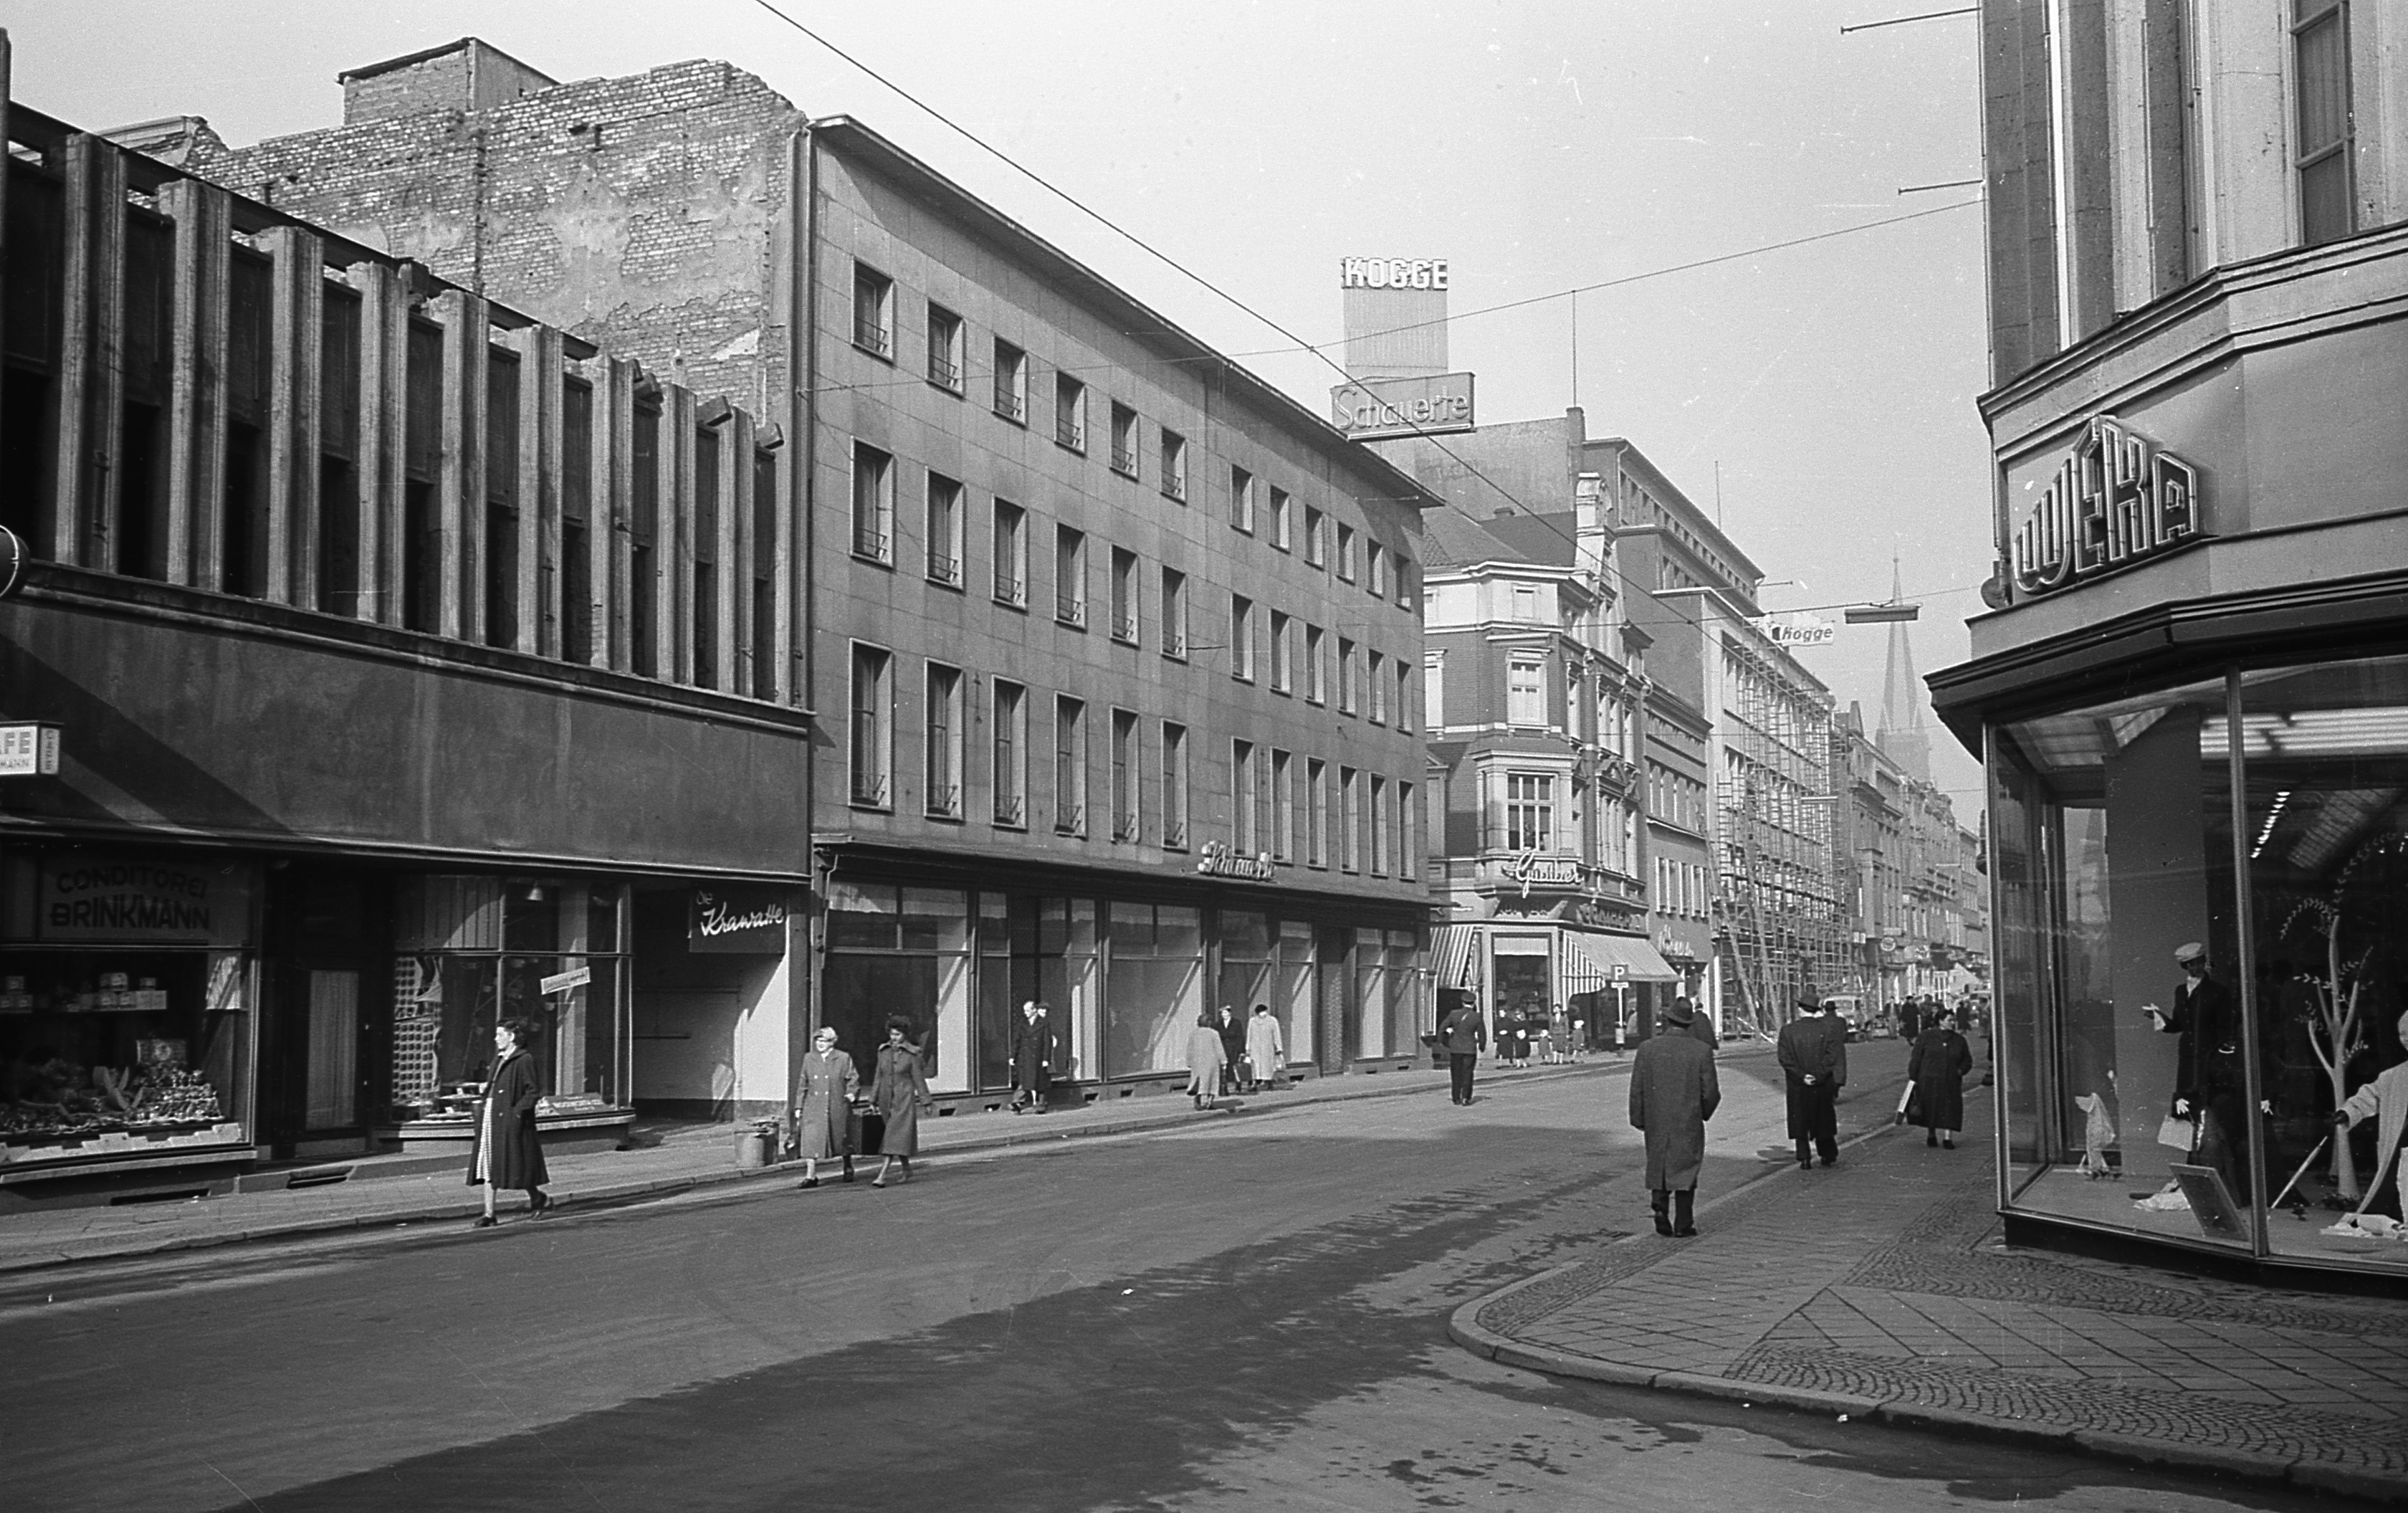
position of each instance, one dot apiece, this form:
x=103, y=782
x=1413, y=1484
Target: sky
x=1819, y=397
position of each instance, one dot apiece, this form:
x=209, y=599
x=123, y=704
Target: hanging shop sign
x=2117, y=499
x=1432, y=405
x=732, y=919
x=1218, y=860
x=130, y=900
x=562, y=982
x=1392, y=273
x=29, y=750
x=1794, y=629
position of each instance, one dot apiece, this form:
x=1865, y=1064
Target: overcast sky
x=1536, y=144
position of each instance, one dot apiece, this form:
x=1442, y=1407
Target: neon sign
x=2117, y=499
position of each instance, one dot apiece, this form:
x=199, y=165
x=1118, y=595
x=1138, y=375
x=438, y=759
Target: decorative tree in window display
x=2335, y=1028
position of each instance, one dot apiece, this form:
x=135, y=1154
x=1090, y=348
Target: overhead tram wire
x=1301, y=344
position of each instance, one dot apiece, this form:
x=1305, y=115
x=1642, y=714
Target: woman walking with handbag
x=508, y=1153
x=819, y=1119
x=899, y=1091
x=1937, y=1068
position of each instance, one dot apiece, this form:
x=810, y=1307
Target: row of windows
x=1682, y=888
x=1676, y=800
x=1290, y=654
x=1257, y=507
x=1298, y=809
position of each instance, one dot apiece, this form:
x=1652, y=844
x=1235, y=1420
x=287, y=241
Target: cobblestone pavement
x=1880, y=1289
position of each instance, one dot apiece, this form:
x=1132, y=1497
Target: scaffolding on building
x=1776, y=907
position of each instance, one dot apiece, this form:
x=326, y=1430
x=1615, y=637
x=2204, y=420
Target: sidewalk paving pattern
x=1878, y=1290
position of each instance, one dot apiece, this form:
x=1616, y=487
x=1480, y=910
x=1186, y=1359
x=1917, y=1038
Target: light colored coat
x=1673, y=1092
x=1204, y=1059
x=821, y=1113
x=1265, y=1047
x=2385, y=1101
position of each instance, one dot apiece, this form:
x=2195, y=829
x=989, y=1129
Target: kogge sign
x=1392, y=273
x=2115, y=500
x=1798, y=630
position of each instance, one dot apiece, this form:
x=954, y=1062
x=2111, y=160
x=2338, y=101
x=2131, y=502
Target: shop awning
x=1589, y=962
x=1451, y=958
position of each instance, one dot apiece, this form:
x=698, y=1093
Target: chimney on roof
x=472, y=74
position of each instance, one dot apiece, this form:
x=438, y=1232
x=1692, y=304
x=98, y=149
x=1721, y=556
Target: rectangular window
x=1069, y=576
x=872, y=703
x=1245, y=793
x=1011, y=554
x=1404, y=697
x=1316, y=688
x=1123, y=439
x=500, y=547
x=1175, y=785
x=1241, y=501
x=1345, y=676
x=339, y=472
x=944, y=348
x=943, y=773
x=1526, y=604
x=1070, y=766
x=703, y=624
x=1375, y=686
x=873, y=503
x=1529, y=812
x=1174, y=612
x=1345, y=554
x=1174, y=465
x=1375, y=564
x=1525, y=691
x=1406, y=571
x=1379, y=826
x=1283, y=654
x=1010, y=754
x=1314, y=546
x=576, y=522
x=1283, y=807
x=761, y=646
x=2320, y=54
x=643, y=537
x=1317, y=812
x=1125, y=775
x=1278, y=508
x=944, y=531
x=1350, y=820
x=1069, y=413
x=1434, y=690
x=873, y=311
x=1409, y=863
x=1241, y=637
x=1126, y=608
x=1011, y=383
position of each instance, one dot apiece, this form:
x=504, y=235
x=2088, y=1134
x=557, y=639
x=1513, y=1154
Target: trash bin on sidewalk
x=755, y=1143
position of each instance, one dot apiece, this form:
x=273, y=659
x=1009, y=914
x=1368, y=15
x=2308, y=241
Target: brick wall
x=642, y=213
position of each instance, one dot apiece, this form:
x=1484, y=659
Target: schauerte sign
x=1423, y=406
x=2117, y=499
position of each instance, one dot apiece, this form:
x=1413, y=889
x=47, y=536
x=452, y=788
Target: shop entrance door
x=1339, y=1044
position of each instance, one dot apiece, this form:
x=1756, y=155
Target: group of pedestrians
x=1229, y=1054
x=820, y=1118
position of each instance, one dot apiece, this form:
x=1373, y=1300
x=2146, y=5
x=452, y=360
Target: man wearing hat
x=2209, y=1085
x=1813, y=1055
x=1673, y=1092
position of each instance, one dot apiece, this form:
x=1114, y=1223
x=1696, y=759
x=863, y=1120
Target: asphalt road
x=1250, y=1315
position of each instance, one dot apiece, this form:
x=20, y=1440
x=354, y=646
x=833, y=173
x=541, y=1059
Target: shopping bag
x=2176, y=1132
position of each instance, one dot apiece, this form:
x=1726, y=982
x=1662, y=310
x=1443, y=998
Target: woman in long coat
x=507, y=1153
x=900, y=1090
x=820, y=1118
x=1937, y=1067
x=1266, y=1049
x=1673, y=1092
x=1206, y=1060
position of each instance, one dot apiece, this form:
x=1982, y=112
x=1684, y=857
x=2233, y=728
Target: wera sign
x=1376, y=407
x=2116, y=500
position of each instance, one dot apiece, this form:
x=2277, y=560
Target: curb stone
x=2145, y=1451
x=1988, y=1426
x=2351, y=1481
x=1804, y=1399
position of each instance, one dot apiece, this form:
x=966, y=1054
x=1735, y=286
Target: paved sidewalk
x=1879, y=1290
x=692, y=1157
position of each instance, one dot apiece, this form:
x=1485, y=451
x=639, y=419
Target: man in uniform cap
x=2209, y=1085
x=1813, y=1055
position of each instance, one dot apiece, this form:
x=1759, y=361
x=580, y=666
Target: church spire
x=1902, y=736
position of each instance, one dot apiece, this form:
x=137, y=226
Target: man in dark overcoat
x=1700, y=1029
x=1464, y=1037
x=1032, y=1056
x=1813, y=1055
x=1673, y=1092
x=1231, y=1027
x=2208, y=1083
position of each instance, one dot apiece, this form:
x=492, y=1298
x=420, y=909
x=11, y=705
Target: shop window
x=1295, y=996
x=1153, y=988
x=1247, y=960
x=901, y=951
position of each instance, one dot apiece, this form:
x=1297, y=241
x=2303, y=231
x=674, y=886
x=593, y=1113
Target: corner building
x=2190, y=690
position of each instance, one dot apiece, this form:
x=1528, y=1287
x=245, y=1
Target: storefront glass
x=1405, y=979
x=899, y=951
x=1291, y=990
x=126, y=1007
x=1154, y=990
x=1245, y=961
x=2116, y=841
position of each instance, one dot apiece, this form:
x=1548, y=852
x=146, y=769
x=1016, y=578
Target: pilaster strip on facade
x=542, y=374
x=197, y=418
x=89, y=351
x=460, y=491
x=383, y=446
x=297, y=318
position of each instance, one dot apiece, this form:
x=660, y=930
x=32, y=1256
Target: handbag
x=2177, y=1133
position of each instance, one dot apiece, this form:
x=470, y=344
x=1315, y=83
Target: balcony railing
x=1125, y=828
x=1009, y=402
x=944, y=372
x=945, y=570
x=1125, y=628
x=1069, y=433
x=1071, y=820
x=870, y=334
x=1011, y=589
x=1174, y=835
x=869, y=788
x=1124, y=459
x=868, y=542
x=1008, y=810
x=1070, y=610
x=945, y=802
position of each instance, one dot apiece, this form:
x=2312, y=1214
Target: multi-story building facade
x=378, y=710
x=2188, y=686
x=1115, y=648
x=1536, y=711
x=1910, y=880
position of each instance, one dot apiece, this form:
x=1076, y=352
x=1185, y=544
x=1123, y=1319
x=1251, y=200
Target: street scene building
x=2188, y=688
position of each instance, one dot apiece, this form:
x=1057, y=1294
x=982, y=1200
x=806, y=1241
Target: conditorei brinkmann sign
x=2117, y=499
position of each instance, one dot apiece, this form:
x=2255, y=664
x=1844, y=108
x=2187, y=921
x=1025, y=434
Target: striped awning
x=1589, y=961
x=1452, y=963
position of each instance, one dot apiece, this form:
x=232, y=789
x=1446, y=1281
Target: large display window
x=1153, y=993
x=2195, y=968
x=126, y=1024
x=902, y=951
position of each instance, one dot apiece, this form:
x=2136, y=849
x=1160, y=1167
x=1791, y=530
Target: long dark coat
x=1938, y=1065
x=1463, y=1034
x=898, y=1090
x=509, y=1111
x=1673, y=1092
x=1032, y=1054
x=1812, y=1045
x=1232, y=1030
x=824, y=1088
